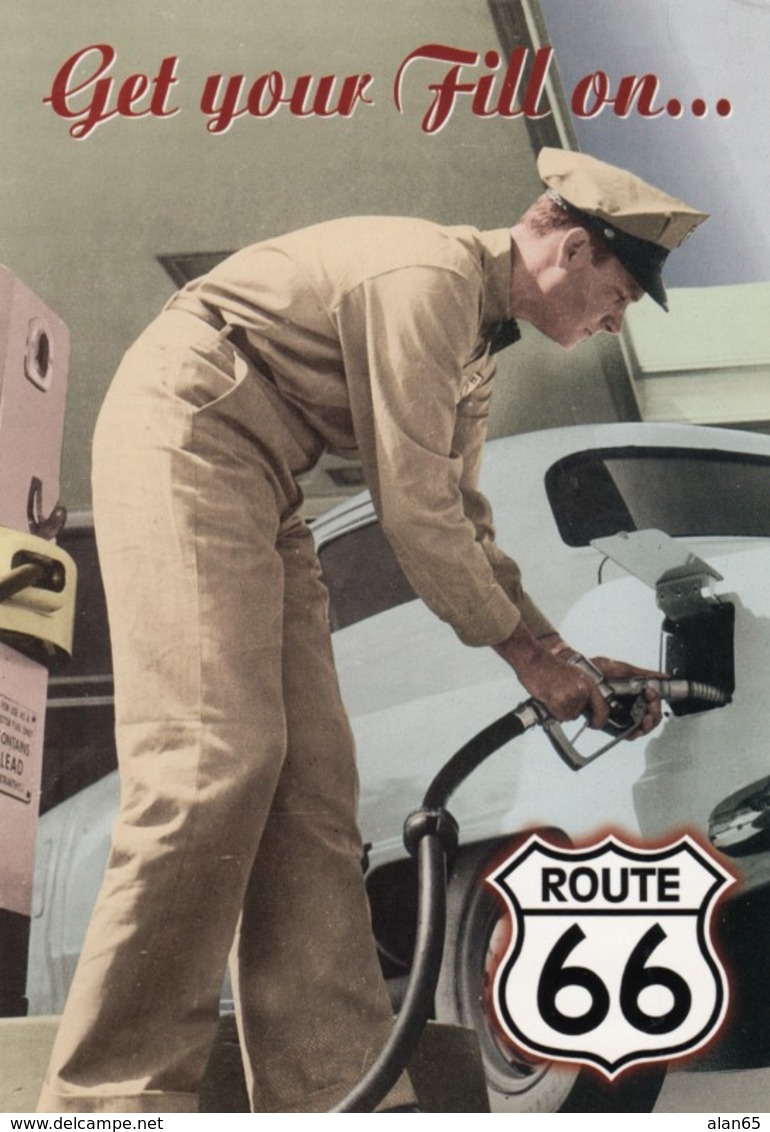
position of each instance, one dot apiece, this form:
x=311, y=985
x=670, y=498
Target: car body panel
x=415, y=694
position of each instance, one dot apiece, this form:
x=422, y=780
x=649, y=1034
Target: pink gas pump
x=37, y=586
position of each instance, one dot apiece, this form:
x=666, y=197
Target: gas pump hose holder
x=37, y=596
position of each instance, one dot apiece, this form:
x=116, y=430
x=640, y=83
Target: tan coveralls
x=238, y=814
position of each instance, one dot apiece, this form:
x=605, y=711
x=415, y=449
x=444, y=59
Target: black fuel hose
x=430, y=834
x=472, y=755
x=418, y=1000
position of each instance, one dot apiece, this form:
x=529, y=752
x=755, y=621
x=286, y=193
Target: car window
x=362, y=575
x=684, y=492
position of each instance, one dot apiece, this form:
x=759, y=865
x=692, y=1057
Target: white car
x=415, y=695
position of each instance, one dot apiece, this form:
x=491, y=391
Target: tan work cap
x=641, y=224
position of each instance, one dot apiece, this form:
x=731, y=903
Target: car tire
x=515, y=1083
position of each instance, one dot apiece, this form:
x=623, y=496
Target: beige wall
x=84, y=221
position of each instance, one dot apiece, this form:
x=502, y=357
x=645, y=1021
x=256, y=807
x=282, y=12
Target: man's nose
x=612, y=323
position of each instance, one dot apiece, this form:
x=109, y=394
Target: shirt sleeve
x=404, y=337
x=470, y=435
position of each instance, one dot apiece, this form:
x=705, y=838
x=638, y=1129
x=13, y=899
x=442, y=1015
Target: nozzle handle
x=627, y=704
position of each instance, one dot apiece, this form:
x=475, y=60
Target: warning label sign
x=23, y=684
x=18, y=726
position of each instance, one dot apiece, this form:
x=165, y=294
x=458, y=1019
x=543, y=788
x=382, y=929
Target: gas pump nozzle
x=627, y=704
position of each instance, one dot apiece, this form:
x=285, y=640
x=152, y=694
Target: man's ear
x=574, y=248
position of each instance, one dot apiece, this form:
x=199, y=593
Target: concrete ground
x=729, y=1091
x=25, y=1044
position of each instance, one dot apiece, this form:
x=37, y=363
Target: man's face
x=583, y=296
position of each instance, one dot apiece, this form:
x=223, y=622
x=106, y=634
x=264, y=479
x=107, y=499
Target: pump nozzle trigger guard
x=566, y=748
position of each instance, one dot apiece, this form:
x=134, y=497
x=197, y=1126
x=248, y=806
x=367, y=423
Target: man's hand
x=619, y=670
x=565, y=690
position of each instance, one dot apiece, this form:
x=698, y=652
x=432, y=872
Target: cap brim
x=650, y=280
x=642, y=259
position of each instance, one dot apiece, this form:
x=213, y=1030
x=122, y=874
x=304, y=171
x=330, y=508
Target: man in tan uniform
x=237, y=833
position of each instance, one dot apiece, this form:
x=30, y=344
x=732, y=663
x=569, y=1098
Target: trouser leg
x=313, y=1008
x=188, y=520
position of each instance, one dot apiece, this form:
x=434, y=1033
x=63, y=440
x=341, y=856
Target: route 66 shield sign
x=611, y=961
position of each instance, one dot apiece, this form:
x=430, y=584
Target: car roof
x=535, y=452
